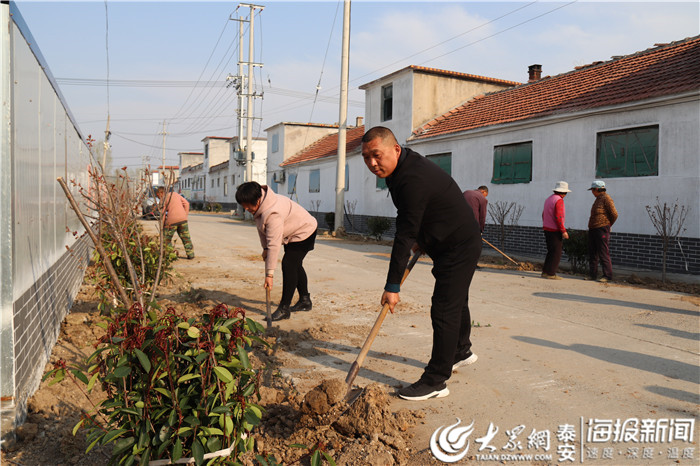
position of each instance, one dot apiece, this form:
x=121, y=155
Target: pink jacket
x=176, y=208
x=281, y=221
x=554, y=214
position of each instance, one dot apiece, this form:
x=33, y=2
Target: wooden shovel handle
x=355, y=367
x=269, y=311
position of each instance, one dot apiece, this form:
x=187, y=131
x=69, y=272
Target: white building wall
x=565, y=149
x=291, y=138
x=402, y=101
x=216, y=151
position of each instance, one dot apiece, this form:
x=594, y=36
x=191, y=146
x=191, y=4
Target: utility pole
x=105, y=146
x=240, y=86
x=240, y=81
x=163, y=162
x=343, y=120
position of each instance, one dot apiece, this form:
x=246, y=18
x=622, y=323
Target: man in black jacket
x=433, y=216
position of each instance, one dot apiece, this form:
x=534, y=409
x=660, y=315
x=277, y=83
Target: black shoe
x=282, y=312
x=422, y=391
x=464, y=359
x=304, y=303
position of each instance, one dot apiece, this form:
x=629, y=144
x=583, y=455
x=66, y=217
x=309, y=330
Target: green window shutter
x=628, y=153
x=497, y=162
x=512, y=163
x=291, y=183
x=443, y=161
x=522, y=163
x=315, y=181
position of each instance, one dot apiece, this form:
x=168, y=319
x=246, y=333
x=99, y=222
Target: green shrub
x=378, y=226
x=576, y=248
x=216, y=207
x=330, y=220
x=144, y=259
x=175, y=387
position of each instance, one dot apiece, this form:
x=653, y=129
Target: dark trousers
x=555, y=242
x=453, y=271
x=293, y=273
x=599, y=249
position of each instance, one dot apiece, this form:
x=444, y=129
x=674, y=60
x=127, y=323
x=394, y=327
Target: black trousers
x=293, y=273
x=599, y=249
x=449, y=312
x=555, y=242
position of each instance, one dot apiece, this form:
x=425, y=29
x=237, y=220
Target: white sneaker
x=470, y=359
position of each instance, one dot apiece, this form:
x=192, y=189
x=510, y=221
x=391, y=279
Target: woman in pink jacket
x=553, y=219
x=281, y=221
x=175, y=210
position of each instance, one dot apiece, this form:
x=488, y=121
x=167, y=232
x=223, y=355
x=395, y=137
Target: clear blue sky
x=167, y=47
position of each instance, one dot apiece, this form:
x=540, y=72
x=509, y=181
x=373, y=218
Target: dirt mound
x=363, y=433
x=320, y=400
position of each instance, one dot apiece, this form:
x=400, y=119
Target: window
x=206, y=150
x=218, y=182
x=212, y=182
x=225, y=187
x=381, y=183
x=292, y=183
x=315, y=181
x=443, y=161
x=628, y=152
x=387, y=101
x=275, y=143
x=347, y=177
x=512, y=163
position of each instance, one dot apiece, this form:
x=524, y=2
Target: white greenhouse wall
x=40, y=278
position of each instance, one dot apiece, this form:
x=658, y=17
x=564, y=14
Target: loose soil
x=306, y=410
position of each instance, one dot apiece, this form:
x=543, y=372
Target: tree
x=668, y=221
x=506, y=216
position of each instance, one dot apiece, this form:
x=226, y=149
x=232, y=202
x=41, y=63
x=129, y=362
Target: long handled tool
x=355, y=367
x=503, y=253
x=267, y=302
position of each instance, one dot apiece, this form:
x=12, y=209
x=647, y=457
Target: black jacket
x=431, y=211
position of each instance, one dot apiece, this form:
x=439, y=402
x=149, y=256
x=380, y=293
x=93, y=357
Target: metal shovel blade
x=352, y=395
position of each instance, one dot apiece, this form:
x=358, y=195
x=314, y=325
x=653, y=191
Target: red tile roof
x=665, y=70
x=446, y=73
x=327, y=146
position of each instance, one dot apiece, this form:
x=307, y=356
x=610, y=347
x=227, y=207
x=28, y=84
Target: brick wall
x=37, y=317
x=627, y=249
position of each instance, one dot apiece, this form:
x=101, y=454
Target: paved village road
x=551, y=353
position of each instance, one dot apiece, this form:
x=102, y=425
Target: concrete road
x=568, y=370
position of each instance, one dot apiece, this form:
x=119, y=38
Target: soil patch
x=364, y=433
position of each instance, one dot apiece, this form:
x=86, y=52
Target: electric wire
x=444, y=42
x=207, y=116
x=203, y=69
x=323, y=64
x=502, y=31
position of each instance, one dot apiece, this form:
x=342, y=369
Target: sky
x=150, y=64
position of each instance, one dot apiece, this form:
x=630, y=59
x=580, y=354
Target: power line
x=203, y=69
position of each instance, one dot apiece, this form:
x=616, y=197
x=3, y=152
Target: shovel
x=520, y=266
x=267, y=303
x=351, y=395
